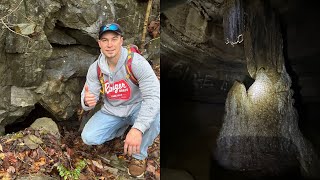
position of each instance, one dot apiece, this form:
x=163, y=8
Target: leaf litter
x=19, y=157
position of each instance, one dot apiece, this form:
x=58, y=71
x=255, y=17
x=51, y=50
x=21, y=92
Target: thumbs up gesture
x=89, y=98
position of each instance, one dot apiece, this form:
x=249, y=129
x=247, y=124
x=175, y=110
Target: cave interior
x=193, y=100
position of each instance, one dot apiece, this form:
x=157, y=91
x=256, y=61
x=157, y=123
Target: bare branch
x=12, y=30
x=145, y=24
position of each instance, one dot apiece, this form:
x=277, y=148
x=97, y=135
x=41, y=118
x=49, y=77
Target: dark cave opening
x=62, y=36
x=24, y=122
x=298, y=105
x=38, y=112
x=300, y=62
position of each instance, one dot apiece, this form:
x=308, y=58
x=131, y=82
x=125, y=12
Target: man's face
x=110, y=44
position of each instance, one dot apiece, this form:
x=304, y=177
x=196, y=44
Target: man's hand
x=133, y=142
x=89, y=98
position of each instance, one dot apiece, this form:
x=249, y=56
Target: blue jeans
x=102, y=127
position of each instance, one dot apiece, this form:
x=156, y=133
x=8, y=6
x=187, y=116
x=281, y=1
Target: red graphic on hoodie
x=119, y=90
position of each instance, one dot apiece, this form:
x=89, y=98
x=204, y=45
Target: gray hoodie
x=122, y=96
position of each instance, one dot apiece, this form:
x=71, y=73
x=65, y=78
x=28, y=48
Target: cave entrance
x=38, y=112
x=24, y=122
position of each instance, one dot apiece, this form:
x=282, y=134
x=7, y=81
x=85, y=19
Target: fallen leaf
x=3, y=173
x=151, y=169
x=105, y=160
x=9, y=140
x=25, y=28
x=154, y=28
x=21, y=144
x=155, y=154
x=70, y=152
x=6, y=177
x=11, y=169
x=21, y=155
x=34, y=154
x=157, y=175
x=98, y=165
x=35, y=139
x=83, y=177
x=32, y=141
x=11, y=157
x=51, y=152
x=41, y=162
x=92, y=167
x=2, y=156
x=111, y=170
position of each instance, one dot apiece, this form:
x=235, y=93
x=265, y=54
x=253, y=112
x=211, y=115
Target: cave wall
x=302, y=52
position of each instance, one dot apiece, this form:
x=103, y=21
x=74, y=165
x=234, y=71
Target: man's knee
x=90, y=138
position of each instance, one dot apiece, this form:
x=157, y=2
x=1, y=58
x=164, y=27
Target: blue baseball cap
x=110, y=27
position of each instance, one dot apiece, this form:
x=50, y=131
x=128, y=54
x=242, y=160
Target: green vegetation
x=71, y=174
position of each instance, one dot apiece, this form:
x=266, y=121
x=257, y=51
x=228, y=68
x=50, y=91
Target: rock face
x=47, y=46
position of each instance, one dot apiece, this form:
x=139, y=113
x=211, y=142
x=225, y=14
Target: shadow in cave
x=191, y=116
x=294, y=80
x=176, y=121
x=24, y=122
x=248, y=81
x=38, y=112
x=304, y=108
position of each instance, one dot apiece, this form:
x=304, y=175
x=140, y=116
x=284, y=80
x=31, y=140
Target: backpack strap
x=100, y=76
x=131, y=50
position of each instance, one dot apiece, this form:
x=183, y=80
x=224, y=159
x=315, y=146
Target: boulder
x=46, y=125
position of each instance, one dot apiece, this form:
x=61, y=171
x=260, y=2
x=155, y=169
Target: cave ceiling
x=192, y=35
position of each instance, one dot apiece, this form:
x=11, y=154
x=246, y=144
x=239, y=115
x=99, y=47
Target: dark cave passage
x=38, y=112
x=192, y=126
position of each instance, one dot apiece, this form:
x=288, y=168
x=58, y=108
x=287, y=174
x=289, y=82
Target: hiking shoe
x=137, y=167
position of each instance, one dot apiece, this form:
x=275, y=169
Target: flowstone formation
x=260, y=133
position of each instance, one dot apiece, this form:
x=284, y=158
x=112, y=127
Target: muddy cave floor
x=104, y=161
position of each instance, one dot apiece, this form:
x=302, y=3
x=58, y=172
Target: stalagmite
x=260, y=133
